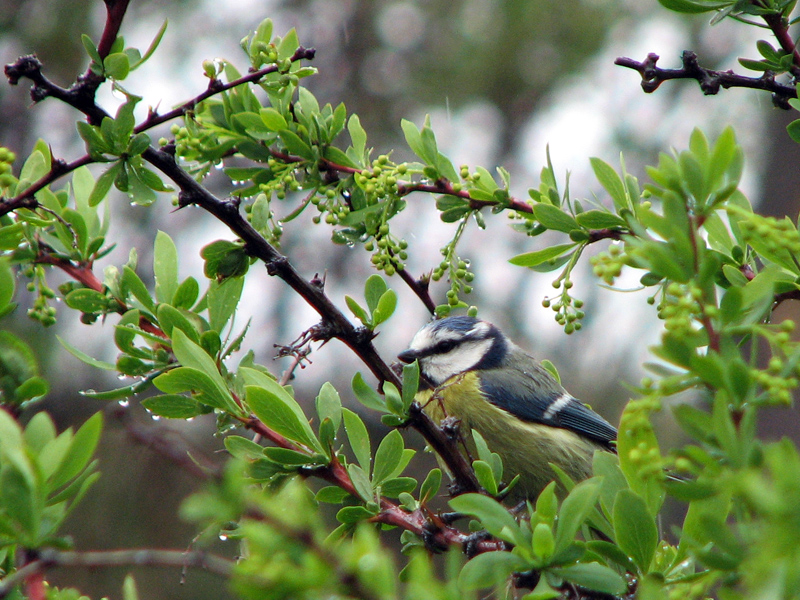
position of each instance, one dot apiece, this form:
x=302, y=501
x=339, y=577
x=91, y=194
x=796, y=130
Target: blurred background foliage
x=501, y=79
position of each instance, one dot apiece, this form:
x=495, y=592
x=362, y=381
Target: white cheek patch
x=441, y=367
x=422, y=339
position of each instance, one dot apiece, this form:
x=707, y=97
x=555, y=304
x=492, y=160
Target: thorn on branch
x=319, y=282
x=275, y=265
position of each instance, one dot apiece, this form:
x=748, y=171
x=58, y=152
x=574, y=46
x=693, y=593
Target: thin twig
x=50, y=559
x=710, y=81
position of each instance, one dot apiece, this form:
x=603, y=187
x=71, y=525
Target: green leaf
x=693, y=6
x=793, y=129
x=170, y=317
x=574, y=511
x=79, y=228
x=186, y=294
x=599, y=219
x=133, y=283
x=387, y=457
x=413, y=138
x=91, y=49
x=186, y=379
x=636, y=433
x=374, y=289
x=173, y=406
x=606, y=465
x=336, y=156
x=241, y=447
x=385, y=308
x=635, y=528
x=366, y=395
x=329, y=405
x=289, y=458
x=554, y=218
x=19, y=500
x=492, y=515
x=117, y=65
x=485, y=476
x=593, y=576
x=189, y=354
x=80, y=451
x=165, y=267
x=395, y=486
x=224, y=259
x=360, y=482
x=7, y=282
x=295, y=145
x=354, y=514
x=358, y=137
x=610, y=181
x=152, y=47
x=489, y=569
x=357, y=310
x=359, y=438
x=85, y=358
x=332, y=494
x=273, y=406
x=531, y=259
x=410, y=384
x=273, y=120
x=223, y=298
x=430, y=487
x=394, y=402
x=104, y=183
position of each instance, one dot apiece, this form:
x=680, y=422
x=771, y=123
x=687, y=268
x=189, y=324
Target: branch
x=81, y=97
x=115, y=12
x=780, y=28
x=26, y=198
x=215, y=86
x=49, y=559
x=710, y=81
x=420, y=288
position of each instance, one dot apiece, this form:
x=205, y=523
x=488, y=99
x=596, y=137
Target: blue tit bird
x=472, y=372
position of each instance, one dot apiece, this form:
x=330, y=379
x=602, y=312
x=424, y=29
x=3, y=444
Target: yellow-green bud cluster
x=647, y=459
x=389, y=252
x=458, y=273
x=775, y=234
x=262, y=54
x=645, y=455
x=467, y=176
x=778, y=388
x=284, y=180
x=680, y=306
x=190, y=145
x=568, y=309
x=776, y=380
x=7, y=158
x=40, y=310
x=607, y=265
x=688, y=591
x=381, y=180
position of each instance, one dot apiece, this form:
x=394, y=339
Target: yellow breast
x=526, y=448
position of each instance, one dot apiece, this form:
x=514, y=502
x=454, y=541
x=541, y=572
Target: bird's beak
x=408, y=356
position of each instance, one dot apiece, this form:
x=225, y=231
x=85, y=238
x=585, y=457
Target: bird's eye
x=446, y=346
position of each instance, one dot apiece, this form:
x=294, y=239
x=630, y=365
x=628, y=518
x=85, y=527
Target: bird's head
x=454, y=345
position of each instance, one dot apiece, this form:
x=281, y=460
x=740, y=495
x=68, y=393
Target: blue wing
x=533, y=395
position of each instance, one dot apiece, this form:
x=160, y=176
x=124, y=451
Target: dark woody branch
x=710, y=81
x=336, y=324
